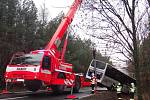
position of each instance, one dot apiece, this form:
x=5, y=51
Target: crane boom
x=57, y=37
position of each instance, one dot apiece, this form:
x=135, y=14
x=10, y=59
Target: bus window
x=99, y=65
x=46, y=62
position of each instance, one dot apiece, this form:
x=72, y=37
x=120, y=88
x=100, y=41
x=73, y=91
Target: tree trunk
x=137, y=68
x=138, y=83
x=145, y=79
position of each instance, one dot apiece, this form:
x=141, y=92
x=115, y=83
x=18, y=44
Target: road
x=48, y=95
x=43, y=95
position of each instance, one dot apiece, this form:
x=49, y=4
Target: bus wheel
x=77, y=85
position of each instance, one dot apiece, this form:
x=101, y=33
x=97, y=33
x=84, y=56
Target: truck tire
x=77, y=85
x=33, y=85
x=59, y=88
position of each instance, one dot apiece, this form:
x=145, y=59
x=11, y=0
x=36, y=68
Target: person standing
x=93, y=83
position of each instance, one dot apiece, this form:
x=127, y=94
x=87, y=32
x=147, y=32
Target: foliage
x=79, y=53
x=45, y=31
x=17, y=27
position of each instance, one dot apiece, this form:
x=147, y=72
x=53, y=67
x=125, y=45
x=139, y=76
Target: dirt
x=105, y=95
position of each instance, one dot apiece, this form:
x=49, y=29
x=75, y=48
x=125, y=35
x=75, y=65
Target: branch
x=148, y=2
x=127, y=7
x=113, y=11
x=123, y=44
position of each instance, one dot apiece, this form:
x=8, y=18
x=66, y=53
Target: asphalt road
x=84, y=94
x=43, y=95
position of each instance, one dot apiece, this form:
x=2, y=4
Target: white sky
x=54, y=6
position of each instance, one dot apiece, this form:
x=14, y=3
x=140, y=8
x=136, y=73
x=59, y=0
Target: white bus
x=107, y=75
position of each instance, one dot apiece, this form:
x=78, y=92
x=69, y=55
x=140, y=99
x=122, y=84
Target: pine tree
x=18, y=19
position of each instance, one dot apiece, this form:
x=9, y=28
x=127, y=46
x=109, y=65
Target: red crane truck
x=47, y=67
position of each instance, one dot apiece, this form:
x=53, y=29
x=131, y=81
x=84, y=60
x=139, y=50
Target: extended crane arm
x=57, y=37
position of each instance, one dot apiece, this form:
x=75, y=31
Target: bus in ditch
x=108, y=76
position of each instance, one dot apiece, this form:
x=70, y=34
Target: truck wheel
x=59, y=88
x=77, y=85
x=33, y=85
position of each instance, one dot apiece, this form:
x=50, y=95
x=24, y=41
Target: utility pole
x=94, y=56
x=95, y=74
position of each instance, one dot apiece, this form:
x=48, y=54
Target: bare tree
x=148, y=2
x=43, y=14
x=123, y=20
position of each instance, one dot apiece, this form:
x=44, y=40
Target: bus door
x=100, y=70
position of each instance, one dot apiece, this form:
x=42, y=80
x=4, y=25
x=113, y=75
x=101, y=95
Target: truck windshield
x=32, y=59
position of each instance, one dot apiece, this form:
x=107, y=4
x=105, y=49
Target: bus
x=108, y=76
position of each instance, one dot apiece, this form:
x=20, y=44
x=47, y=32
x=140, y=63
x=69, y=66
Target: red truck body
x=47, y=67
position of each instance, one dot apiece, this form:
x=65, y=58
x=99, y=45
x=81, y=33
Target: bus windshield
x=99, y=64
x=31, y=59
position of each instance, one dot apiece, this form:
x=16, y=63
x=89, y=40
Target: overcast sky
x=54, y=6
